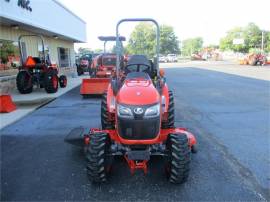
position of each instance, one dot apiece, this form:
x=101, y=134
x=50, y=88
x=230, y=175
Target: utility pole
x=262, y=47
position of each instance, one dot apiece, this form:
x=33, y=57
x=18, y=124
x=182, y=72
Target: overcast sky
x=209, y=19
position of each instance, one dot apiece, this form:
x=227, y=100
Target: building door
x=63, y=57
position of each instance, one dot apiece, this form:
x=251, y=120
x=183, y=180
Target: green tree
x=192, y=45
x=98, y=50
x=124, y=50
x=7, y=49
x=251, y=34
x=226, y=43
x=168, y=40
x=83, y=51
x=143, y=40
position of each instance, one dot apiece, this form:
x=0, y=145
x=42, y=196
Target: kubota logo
x=138, y=110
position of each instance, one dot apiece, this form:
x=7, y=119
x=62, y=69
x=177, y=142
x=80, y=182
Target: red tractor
x=137, y=118
x=100, y=71
x=103, y=65
x=257, y=59
x=38, y=71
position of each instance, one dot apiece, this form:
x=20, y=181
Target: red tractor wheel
x=63, y=81
x=105, y=122
x=178, y=158
x=169, y=123
x=24, y=82
x=98, y=159
x=51, y=82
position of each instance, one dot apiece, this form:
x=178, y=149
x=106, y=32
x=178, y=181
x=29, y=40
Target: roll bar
x=31, y=35
x=109, y=38
x=118, y=39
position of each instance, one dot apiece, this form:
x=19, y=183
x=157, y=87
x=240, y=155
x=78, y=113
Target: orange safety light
x=30, y=61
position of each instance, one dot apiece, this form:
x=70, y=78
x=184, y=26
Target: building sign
x=25, y=4
x=238, y=41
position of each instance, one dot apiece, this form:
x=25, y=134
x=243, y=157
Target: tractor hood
x=138, y=91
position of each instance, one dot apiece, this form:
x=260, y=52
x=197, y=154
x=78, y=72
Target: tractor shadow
x=122, y=185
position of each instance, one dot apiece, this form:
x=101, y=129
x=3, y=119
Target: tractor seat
x=138, y=59
x=138, y=63
x=37, y=60
x=135, y=75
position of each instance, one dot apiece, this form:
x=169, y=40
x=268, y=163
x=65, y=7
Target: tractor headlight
x=152, y=111
x=123, y=111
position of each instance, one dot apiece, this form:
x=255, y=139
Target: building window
x=64, y=57
x=9, y=55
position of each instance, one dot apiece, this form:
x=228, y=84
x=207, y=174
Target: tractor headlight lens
x=152, y=111
x=123, y=111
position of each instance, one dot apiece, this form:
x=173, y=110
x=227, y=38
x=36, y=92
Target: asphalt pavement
x=228, y=114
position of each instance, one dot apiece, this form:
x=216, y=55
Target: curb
x=34, y=102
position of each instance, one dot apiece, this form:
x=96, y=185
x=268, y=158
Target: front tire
x=169, y=123
x=98, y=161
x=79, y=71
x=105, y=122
x=51, y=82
x=178, y=158
x=253, y=62
x=94, y=73
x=24, y=82
x=63, y=81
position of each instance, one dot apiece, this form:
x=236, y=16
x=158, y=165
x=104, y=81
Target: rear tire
x=24, y=82
x=253, y=62
x=98, y=161
x=79, y=70
x=63, y=81
x=94, y=73
x=178, y=158
x=169, y=123
x=105, y=122
x=51, y=82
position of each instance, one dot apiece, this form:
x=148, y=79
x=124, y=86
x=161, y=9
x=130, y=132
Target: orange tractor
x=101, y=69
x=38, y=71
x=137, y=119
x=254, y=59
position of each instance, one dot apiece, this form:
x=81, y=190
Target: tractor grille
x=138, y=129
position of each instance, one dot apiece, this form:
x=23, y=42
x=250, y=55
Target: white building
x=58, y=25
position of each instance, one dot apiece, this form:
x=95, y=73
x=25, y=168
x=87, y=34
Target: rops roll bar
x=118, y=39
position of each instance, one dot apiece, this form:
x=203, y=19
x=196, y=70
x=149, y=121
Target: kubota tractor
x=84, y=65
x=103, y=65
x=254, y=59
x=137, y=118
x=100, y=71
x=38, y=71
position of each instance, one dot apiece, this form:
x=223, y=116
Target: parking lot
x=225, y=105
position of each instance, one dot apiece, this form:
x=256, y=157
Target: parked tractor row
x=137, y=109
x=100, y=71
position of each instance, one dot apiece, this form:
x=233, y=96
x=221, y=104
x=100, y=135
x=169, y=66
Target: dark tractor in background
x=84, y=64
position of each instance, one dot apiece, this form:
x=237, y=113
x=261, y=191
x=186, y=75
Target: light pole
x=262, y=46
